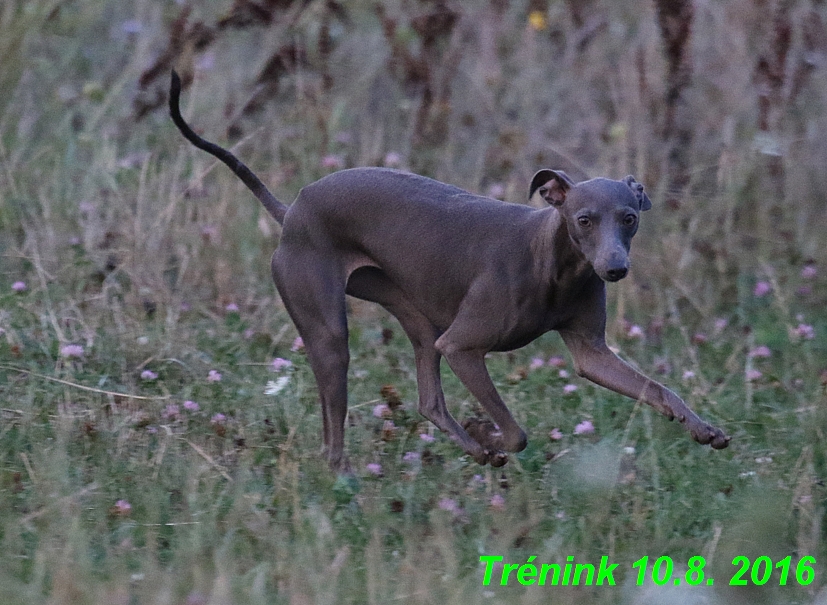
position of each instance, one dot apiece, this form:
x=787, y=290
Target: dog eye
x=630, y=220
x=584, y=221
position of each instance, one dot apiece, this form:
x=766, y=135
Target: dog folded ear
x=640, y=194
x=552, y=184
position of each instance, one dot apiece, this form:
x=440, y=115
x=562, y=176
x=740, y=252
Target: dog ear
x=552, y=184
x=640, y=194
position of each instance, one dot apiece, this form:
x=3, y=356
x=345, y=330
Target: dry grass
x=132, y=245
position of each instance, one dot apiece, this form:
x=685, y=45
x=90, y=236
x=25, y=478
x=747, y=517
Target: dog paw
x=710, y=435
x=484, y=432
x=497, y=459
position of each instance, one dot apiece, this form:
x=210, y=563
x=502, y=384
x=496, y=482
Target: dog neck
x=557, y=259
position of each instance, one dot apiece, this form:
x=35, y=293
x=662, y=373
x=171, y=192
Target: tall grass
x=153, y=260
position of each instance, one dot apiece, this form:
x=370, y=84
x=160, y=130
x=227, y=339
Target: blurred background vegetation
x=135, y=247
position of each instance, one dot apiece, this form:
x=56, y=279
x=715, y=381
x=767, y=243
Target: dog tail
x=268, y=200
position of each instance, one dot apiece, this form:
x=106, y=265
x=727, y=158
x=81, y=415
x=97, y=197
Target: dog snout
x=617, y=273
x=616, y=266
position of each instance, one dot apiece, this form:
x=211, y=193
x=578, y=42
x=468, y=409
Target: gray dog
x=464, y=275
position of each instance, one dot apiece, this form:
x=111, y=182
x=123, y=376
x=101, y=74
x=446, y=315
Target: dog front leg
x=594, y=360
x=469, y=366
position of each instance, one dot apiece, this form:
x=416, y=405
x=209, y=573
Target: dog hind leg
x=315, y=300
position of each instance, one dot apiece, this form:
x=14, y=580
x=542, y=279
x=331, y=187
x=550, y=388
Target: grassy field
x=160, y=431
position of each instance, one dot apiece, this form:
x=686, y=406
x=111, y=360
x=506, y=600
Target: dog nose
x=616, y=274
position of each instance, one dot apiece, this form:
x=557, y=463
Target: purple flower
x=231, y=308
x=381, y=410
x=762, y=288
x=805, y=331
x=298, y=344
x=171, y=412
x=426, y=438
x=122, y=508
x=392, y=160
x=191, y=406
x=753, y=375
x=688, y=375
x=19, y=286
x=809, y=271
x=496, y=190
x=557, y=362
x=563, y=374
x=448, y=504
x=148, y=375
x=280, y=364
x=218, y=418
x=332, y=161
x=762, y=351
x=71, y=351
x=699, y=338
x=497, y=502
x=721, y=324
x=555, y=434
x=584, y=428
x=374, y=468
x=569, y=388
x=635, y=331
x=214, y=376
x=537, y=362
x=410, y=457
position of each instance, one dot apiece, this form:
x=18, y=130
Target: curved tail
x=268, y=200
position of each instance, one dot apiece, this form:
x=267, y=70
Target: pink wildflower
x=721, y=324
x=392, y=160
x=569, y=388
x=809, y=271
x=555, y=434
x=426, y=438
x=381, y=410
x=411, y=457
x=374, y=468
x=762, y=351
x=218, y=418
x=334, y=162
x=537, y=362
x=231, y=308
x=171, y=412
x=635, y=331
x=121, y=508
x=584, y=428
x=214, y=376
x=688, y=375
x=557, y=362
x=753, y=375
x=280, y=364
x=762, y=288
x=496, y=190
x=191, y=406
x=497, y=502
x=19, y=286
x=71, y=351
x=563, y=374
x=148, y=375
x=805, y=331
x=298, y=344
x=448, y=504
